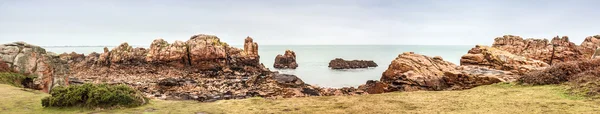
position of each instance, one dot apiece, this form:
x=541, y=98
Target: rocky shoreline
x=205, y=69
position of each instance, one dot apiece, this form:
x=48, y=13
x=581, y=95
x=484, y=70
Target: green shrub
x=92, y=96
x=14, y=79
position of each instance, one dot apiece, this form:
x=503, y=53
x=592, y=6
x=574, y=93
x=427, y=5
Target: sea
x=313, y=60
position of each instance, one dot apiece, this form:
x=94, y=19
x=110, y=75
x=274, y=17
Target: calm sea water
x=314, y=59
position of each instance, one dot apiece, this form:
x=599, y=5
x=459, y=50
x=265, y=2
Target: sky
x=295, y=22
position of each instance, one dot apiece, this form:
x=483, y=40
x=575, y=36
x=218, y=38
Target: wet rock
x=502, y=60
x=288, y=80
x=339, y=63
x=47, y=68
x=287, y=60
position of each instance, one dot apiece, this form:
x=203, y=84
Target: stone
x=339, y=63
x=501, y=60
x=288, y=80
x=287, y=60
x=541, y=49
x=47, y=68
x=175, y=54
x=410, y=72
x=72, y=57
x=374, y=87
x=5, y=67
x=413, y=72
x=591, y=45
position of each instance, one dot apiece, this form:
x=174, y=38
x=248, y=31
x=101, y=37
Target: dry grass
x=498, y=98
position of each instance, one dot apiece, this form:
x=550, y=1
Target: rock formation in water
x=541, y=49
x=411, y=72
x=501, y=60
x=339, y=63
x=287, y=60
x=47, y=69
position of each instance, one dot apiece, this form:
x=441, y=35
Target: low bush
x=94, y=96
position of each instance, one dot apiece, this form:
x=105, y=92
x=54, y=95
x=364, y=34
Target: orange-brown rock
x=541, y=49
x=374, y=87
x=501, y=60
x=412, y=72
x=591, y=45
x=175, y=54
x=287, y=60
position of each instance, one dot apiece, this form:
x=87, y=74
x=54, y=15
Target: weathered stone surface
x=287, y=60
x=412, y=72
x=339, y=63
x=591, y=45
x=162, y=52
x=541, y=49
x=288, y=80
x=47, y=68
x=502, y=60
x=72, y=57
x=4, y=67
x=374, y=87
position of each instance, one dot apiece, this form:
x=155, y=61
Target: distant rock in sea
x=287, y=60
x=339, y=63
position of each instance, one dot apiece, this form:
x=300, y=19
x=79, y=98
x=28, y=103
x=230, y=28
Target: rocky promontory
x=46, y=68
x=339, y=63
x=285, y=61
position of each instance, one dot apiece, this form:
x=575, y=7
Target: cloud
x=436, y=22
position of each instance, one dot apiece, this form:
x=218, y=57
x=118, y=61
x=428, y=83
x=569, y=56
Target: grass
x=14, y=79
x=497, y=98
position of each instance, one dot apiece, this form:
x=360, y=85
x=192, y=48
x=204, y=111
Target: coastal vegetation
x=94, y=96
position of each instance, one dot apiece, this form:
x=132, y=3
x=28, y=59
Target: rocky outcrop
x=412, y=72
x=339, y=63
x=47, y=68
x=501, y=60
x=202, y=68
x=72, y=57
x=556, y=50
x=161, y=52
x=4, y=67
x=287, y=60
x=591, y=45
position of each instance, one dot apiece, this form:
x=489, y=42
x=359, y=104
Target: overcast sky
x=315, y=22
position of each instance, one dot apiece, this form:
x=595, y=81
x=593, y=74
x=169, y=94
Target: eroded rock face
x=541, y=49
x=412, y=72
x=47, y=68
x=590, y=45
x=162, y=52
x=202, y=68
x=339, y=63
x=287, y=60
x=501, y=60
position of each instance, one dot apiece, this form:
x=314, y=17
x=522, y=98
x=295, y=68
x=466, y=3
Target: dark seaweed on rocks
x=559, y=73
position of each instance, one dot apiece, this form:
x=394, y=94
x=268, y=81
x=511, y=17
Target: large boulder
x=47, y=69
x=412, y=72
x=541, y=49
x=339, y=63
x=287, y=60
x=162, y=52
x=590, y=45
x=498, y=59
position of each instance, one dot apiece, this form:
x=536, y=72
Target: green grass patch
x=94, y=96
x=14, y=79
